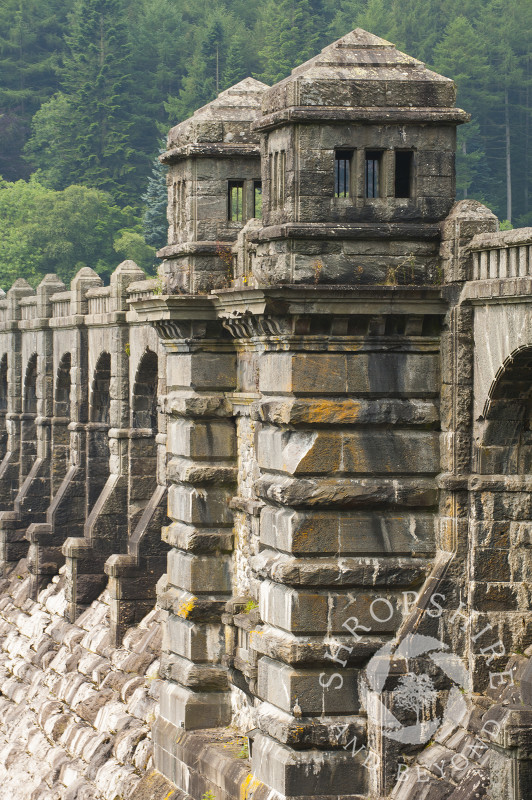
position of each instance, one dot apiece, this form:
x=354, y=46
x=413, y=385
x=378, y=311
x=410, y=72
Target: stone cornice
x=192, y=248
x=348, y=230
x=369, y=116
x=210, y=150
x=338, y=300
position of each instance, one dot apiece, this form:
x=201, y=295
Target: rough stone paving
x=266, y=520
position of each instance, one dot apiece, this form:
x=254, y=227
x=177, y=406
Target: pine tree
x=461, y=55
x=104, y=128
x=417, y=25
x=235, y=68
x=162, y=48
x=501, y=30
x=31, y=34
x=97, y=77
x=155, y=198
x=376, y=17
x=290, y=37
x=204, y=76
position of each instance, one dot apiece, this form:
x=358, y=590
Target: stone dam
x=266, y=519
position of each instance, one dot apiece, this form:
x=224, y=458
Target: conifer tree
x=461, y=55
x=235, y=68
x=155, y=198
x=500, y=30
x=31, y=37
x=98, y=117
x=290, y=37
x=203, y=80
x=372, y=15
x=417, y=25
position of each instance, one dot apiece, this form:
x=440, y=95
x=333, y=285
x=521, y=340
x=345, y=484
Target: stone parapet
x=307, y=441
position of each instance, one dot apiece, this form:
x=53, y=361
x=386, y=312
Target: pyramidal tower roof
x=240, y=103
x=361, y=70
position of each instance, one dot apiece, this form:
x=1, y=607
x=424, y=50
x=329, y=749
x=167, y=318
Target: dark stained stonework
x=308, y=441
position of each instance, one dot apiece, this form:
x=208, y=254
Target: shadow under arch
x=134, y=574
x=503, y=437
x=61, y=421
x=98, y=452
x=3, y=405
x=28, y=430
x=144, y=397
x=143, y=444
x=499, y=566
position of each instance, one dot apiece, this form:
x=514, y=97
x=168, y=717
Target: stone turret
x=213, y=187
x=357, y=149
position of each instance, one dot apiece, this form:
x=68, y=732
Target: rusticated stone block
x=324, y=452
x=315, y=691
x=308, y=772
x=202, y=371
x=397, y=374
x=201, y=440
x=344, y=533
x=200, y=574
x=302, y=611
x=199, y=506
x=191, y=710
x=199, y=642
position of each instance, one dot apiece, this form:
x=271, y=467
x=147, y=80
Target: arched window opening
x=3, y=405
x=100, y=395
x=143, y=446
x=3, y=383
x=62, y=388
x=30, y=386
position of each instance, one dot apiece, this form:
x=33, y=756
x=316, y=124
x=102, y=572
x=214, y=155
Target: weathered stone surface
x=332, y=406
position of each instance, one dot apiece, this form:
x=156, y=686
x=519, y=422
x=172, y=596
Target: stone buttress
x=305, y=413
x=316, y=419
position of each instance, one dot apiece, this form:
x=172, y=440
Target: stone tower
x=304, y=405
x=339, y=433
x=213, y=187
x=357, y=150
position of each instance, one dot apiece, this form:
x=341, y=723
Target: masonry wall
x=293, y=460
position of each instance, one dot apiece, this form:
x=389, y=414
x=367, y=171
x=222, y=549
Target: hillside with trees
x=88, y=89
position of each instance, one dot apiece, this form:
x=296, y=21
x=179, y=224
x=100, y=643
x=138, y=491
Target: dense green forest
x=89, y=87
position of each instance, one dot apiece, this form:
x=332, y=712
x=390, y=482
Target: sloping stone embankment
x=75, y=714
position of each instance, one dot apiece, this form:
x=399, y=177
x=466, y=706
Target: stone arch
x=500, y=524
x=143, y=444
x=29, y=414
x=30, y=386
x=98, y=452
x=61, y=420
x=3, y=405
x=100, y=401
x=144, y=397
x=504, y=431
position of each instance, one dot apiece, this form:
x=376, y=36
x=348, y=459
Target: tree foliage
x=44, y=230
x=154, y=222
x=87, y=87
